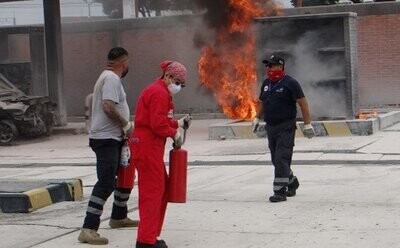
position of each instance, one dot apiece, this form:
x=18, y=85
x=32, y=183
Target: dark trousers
x=281, y=143
x=107, y=155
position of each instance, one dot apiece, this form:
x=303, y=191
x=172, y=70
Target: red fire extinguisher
x=126, y=169
x=177, y=183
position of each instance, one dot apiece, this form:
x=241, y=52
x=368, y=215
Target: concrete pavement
x=353, y=202
x=336, y=206
x=70, y=147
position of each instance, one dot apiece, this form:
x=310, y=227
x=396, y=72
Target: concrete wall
x=149, y=42
x=379, y=60
x=15, y=53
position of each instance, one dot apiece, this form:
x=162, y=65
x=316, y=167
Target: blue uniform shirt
x=279, y=99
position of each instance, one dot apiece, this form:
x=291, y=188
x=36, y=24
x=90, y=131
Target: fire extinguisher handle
x=186, y=121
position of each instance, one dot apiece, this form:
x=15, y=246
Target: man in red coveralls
x=154, y=123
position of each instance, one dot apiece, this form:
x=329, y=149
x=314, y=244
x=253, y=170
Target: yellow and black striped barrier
x=341, y=128
x=55, y=191
x=243, y=129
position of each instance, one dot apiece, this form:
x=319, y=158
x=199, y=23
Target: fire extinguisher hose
x=185, y=128
x=184, y=135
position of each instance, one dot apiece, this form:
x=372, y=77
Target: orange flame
x=228, y=68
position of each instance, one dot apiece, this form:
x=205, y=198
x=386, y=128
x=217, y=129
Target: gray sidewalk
x=348, y=195
x=68, y=148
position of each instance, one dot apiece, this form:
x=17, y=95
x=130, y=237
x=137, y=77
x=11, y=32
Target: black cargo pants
x=108, y=153
x=281, y=143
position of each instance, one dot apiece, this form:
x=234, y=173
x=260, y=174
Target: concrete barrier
x=358, y=127
x=388, y=119
x=35, y=198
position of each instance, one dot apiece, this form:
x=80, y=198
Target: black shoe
x=143, y=245
x=293, y=187
x=277, y=198
x=291, y=192
x=159, y=244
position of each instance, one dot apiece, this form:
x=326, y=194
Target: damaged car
x=22, y=115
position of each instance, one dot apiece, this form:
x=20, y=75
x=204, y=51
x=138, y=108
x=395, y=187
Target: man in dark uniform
x=110, y=124
x=278, y=98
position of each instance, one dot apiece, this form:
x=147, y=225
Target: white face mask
x=173, y=88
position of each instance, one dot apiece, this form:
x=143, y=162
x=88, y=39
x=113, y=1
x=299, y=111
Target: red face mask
x=275, y=75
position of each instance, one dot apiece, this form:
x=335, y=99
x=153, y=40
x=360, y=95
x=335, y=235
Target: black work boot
x=143, y=245
x=159, y=244
x=277, y=198
x=293, y=187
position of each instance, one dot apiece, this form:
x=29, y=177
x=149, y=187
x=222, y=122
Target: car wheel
x=8, y=132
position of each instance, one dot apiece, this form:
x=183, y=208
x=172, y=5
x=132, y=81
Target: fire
x=367, y=114
x=228, y=68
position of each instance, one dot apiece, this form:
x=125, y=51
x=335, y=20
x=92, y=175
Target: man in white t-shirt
x=110, y=124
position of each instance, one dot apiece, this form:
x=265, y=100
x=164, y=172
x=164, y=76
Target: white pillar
x=129, y=9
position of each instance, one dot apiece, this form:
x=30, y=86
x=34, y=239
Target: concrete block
x=337, y=129
x=35, y=198
x=319, y=129
x=38, y=198
x=363, y=127
x=232, y=130
x=59, y=192
x=389, y=119
x=243, y=130
x=14, y=203
x=76, y=189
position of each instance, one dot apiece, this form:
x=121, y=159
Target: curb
x=345, y=127
x=335, y=128
x=243, y=130
x=28, y=201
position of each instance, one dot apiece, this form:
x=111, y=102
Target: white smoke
x=320, y=74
